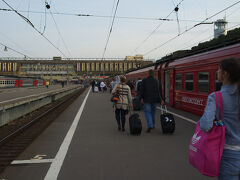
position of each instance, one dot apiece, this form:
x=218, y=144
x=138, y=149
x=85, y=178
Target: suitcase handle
x=163, y=110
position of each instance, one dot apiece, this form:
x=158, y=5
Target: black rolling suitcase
x=167, y=121
x=136, y=104
x=135, y=124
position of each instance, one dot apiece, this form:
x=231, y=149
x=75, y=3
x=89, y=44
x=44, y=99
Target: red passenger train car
x=11, y=82
x=187, y=82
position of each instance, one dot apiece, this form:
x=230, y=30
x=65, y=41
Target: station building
x=58, y=68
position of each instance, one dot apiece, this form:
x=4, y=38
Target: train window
x=203, y=82
x=218, y=84
x=189, y=81
x=178, y=82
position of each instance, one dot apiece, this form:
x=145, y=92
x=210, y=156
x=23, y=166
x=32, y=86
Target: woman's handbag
x=115, y=97
x=206, y=148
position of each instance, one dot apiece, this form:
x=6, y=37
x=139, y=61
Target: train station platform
x=7, y=94
x=84, y=143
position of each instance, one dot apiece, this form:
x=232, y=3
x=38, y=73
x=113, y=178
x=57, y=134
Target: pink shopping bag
x=206, y=148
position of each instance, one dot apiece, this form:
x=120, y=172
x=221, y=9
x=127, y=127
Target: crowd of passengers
x=149, y=92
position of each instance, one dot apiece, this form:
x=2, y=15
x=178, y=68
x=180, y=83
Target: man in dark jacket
x=93, y=85
x=150, y=94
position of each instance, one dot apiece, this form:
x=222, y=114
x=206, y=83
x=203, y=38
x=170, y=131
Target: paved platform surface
x=13, y=93
x=98, y=151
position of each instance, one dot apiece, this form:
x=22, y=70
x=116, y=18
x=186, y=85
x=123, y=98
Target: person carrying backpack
x=228, y=74
x=122, y=105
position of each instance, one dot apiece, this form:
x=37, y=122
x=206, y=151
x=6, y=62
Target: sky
x=74, y=36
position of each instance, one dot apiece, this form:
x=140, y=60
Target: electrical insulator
x=176, y=9
x=47, y=6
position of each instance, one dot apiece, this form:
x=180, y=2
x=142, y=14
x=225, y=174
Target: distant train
x=187, y=81
x=11, y=82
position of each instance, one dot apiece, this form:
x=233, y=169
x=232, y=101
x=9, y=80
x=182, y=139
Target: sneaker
x=119, y=128
x=123, y=129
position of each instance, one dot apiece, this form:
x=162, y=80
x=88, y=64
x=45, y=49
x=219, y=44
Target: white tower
x=220, y=27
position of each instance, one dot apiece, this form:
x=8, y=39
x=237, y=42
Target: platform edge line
x=56, y=165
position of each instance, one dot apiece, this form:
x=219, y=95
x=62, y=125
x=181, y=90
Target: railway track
x=17, y=135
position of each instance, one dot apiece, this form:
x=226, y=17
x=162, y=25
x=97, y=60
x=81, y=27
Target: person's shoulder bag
x=206, y=148
x=115, y=96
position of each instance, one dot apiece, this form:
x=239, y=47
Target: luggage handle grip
x=163, y=109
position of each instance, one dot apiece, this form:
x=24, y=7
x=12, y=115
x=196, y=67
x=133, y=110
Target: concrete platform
x=98, y=151
x=16, y=93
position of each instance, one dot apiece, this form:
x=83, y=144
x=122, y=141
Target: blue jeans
x=149, y=111
x=230, y=165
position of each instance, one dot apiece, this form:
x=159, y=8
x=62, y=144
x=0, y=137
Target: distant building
x=137, y=57
x=58, y=68
x=56, y=58
x=220, y=27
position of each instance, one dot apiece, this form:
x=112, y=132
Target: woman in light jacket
x=125, y=100
x=229, y=75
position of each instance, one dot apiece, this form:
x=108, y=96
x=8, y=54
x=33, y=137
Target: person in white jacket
x=102, y=85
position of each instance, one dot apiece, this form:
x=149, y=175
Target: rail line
x=21, y=135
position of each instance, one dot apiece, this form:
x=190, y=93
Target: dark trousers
x=120, y=117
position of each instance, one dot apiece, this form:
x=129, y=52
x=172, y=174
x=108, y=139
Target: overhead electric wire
x=30, y=23
x=105, y=16
x=191, y=28
x=234, y=11
x=60, y=34
x=28, y=7
x=45, y=15
x=110, y=31
x=14, y=50
x=156, y=27
x=203, y=40
x=12, y=41
x=112, y=11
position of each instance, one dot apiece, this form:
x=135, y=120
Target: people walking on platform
x=130, y=84
x=122, y=105
x=228, y=74
x=98, y=85
x=47, y=84
x=138, y=86
x=62, y=84
x=93, y=85
x=102, y=86
x=150, y=96
x=115, y=81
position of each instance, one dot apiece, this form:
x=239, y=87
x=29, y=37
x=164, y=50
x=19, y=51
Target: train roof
x=233, y=37
x=139, y=69
x=203, y=51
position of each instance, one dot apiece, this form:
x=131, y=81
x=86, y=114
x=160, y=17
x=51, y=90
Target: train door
x=167, y=86
x=171, y=90
x=16, y=83
x=20, y=83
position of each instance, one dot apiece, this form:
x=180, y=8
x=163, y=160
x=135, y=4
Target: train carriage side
x=140, y=73
x=187, y=82
x=7, y=82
